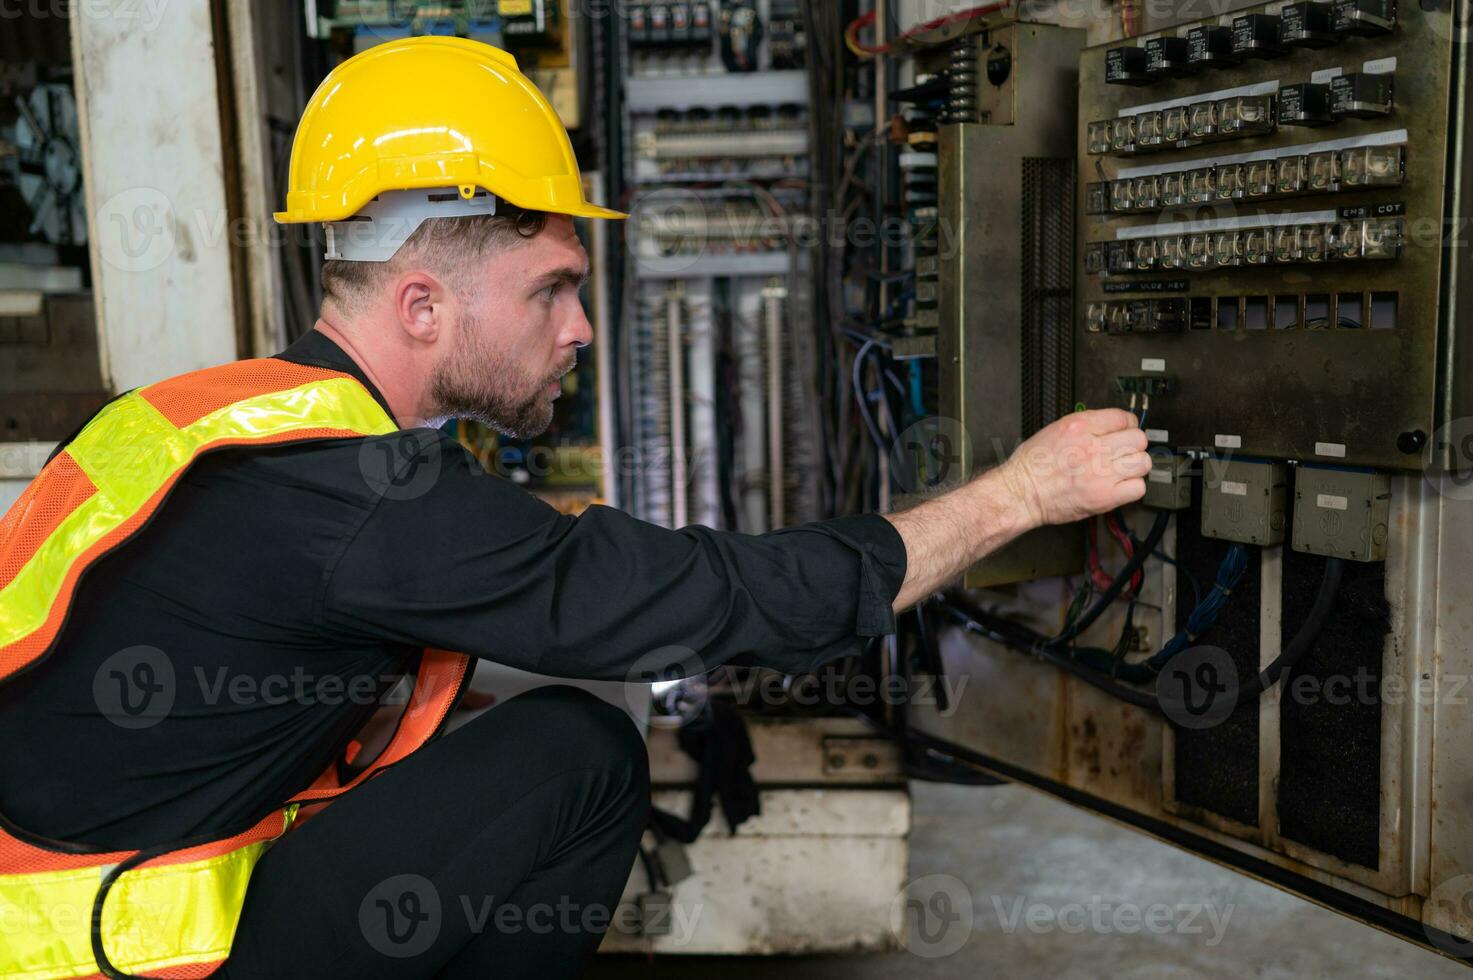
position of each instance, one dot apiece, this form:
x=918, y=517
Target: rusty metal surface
x=1284, y=391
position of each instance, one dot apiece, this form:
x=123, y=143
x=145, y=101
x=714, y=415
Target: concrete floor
x=1026, y=857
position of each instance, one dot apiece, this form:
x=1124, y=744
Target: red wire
x=1102, y=579
x=1097, y=573
x=868, y=20
x=859, y=24
x=957, y=18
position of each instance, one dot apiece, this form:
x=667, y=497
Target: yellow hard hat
x=431, y=112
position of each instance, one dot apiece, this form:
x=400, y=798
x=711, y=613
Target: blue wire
x=1229, y=574
x=917, y=402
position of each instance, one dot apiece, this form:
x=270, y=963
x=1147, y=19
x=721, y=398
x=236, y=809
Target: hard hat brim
x=584, y=210
x=594, y=211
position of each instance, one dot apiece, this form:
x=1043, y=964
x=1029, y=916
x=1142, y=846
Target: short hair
x=443, y=245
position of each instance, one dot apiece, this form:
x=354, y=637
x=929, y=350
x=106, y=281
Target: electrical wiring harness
x=1106, y=669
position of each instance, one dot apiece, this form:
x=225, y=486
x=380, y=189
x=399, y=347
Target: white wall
x=151, y=141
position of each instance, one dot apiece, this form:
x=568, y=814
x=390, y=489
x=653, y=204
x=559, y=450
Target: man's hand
x=1082, y=465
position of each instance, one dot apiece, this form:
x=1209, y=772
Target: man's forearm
x=945, y=536
x=1084, y=464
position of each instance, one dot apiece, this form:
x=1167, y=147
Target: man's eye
x=550, y=293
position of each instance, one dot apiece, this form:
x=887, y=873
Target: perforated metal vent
x=1047, y=290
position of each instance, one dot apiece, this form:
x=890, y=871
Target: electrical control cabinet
x=1262, y=230
x=1270, y=245
x=1005, y=243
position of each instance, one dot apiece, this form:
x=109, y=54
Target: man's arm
x=1085, y=464
x=473, y=563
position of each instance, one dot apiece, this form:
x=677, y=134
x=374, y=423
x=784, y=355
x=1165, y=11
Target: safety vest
x=68, y=910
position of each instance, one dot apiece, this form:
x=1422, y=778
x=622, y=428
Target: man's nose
x=578, y=332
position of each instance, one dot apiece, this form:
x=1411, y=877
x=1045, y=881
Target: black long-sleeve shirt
x=267, y=601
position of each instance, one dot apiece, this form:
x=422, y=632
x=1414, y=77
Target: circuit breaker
x=1261, y=212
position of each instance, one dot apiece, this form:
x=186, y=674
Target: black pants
x=497, y=851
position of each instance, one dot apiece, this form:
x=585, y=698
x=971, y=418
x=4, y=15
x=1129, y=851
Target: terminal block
x=1150, y=385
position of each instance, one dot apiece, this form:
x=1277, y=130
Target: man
x=302, y=544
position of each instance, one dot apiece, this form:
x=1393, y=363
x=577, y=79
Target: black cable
x=1024, y=640
x=1308, y=633
x=1153, y=538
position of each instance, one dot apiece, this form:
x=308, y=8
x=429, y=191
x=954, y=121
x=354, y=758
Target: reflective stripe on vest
x=120, y=466
x=170, y=912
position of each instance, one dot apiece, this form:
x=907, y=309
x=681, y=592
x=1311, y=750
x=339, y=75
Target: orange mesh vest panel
x=169, y=911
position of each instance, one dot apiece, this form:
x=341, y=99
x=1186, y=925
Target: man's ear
x=419, y=302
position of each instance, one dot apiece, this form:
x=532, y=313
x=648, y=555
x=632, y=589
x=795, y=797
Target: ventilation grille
x=1047, y=291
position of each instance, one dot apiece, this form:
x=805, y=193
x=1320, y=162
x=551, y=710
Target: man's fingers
x=1129, y=491
x=1103, y=421
x=1125, y=441
x=1133, y=465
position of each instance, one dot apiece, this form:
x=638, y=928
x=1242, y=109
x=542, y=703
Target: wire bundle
x=1104, y=670
x=1229, y=573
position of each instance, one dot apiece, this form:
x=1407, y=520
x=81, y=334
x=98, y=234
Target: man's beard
x=480, y=384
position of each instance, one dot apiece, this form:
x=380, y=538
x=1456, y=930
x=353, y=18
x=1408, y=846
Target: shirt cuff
x=882, y=562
